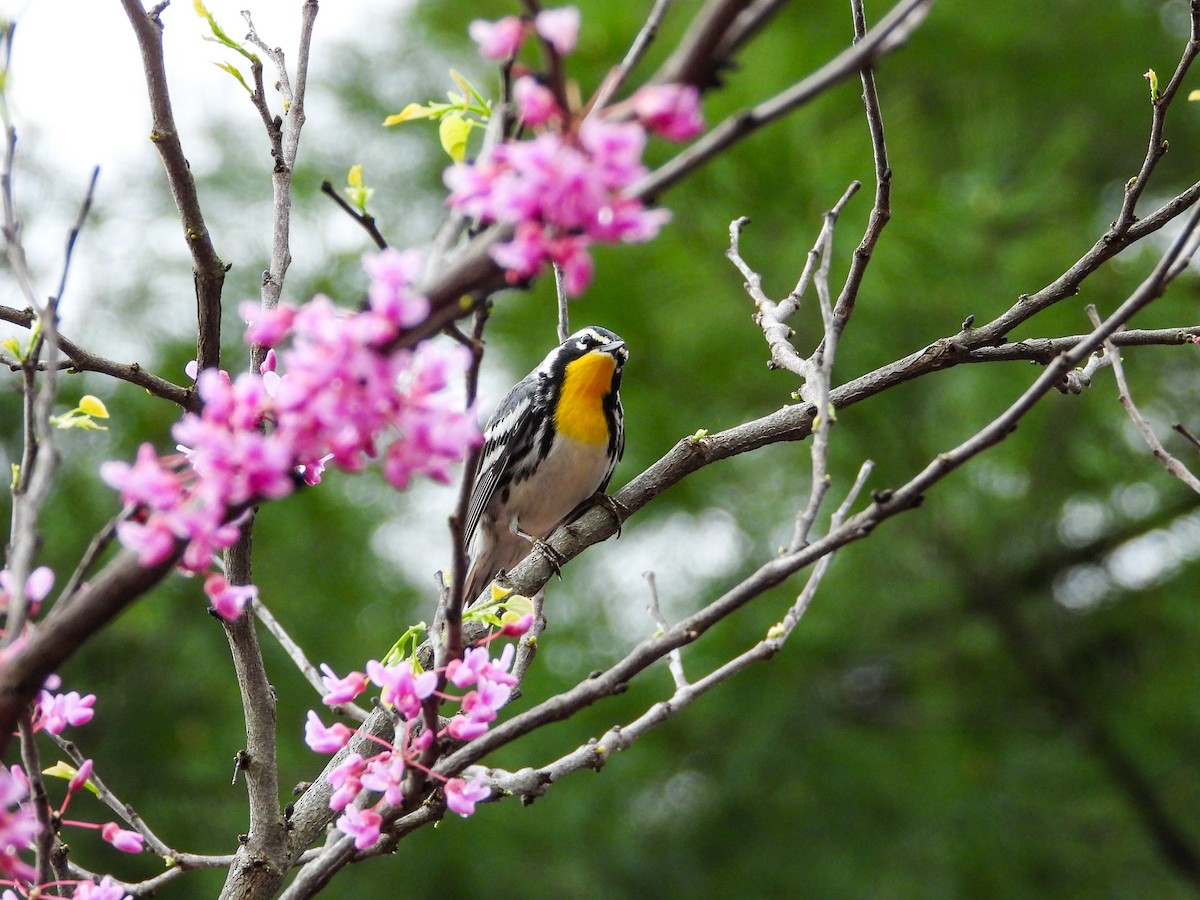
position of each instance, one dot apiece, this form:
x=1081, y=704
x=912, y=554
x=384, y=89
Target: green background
x=994, y=696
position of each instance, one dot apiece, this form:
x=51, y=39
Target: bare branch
x=1170, y=462
x=209, y=271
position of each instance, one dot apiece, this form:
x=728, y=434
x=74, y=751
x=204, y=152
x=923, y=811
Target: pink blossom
x=672, y=110
x=361, y=824
x=392, y=275
x=56, y=711
x=477, y=665
x=385, y=775
x=266, y=327
x=322, y=739
x=497, y=40
x=346, y=781
x=518, y=627
x=81, y=776
x=462, y=795
x=153, y=542
x=338, y=395
x=402, y=687
x=147, y=481
x=535, y=102
x=37, y=587
x=462, y=728
x=19, y=825
x=228, y=599
x=561, y=194
x=123, y=840
x=341, y=690
x=559, y=27
x=107, y=889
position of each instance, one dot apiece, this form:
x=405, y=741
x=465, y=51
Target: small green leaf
x=66, y=772
x=453, y=131
x=13, y=346
x=357, y=192
x=218, y=33
x=233, y=70
x=409, y=113
x=1152, y=77
x=1193, y=96
x=93, y=406
x=468, y=89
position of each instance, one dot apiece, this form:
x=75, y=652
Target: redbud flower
x=461, y=795
x=517, y=627
x=322, y=739
x=125, y=841
x=19, y=826
x=346, y=780
x=361, y=824
x=560, y=27
x=107, y=889
x=402, y=688
x=672, y=110
x=535, y=102
x=385, y=774
x=37, y=586
x=56, y=711
x=228, y=599
x=266, y=327
x=497, y=40
x=341, y=690
x=82, y=774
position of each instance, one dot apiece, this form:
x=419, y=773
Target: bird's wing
x=507, y=431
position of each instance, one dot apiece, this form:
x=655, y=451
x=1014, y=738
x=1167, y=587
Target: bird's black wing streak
x=498, y=450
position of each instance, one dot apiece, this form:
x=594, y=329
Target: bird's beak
x=612, y=347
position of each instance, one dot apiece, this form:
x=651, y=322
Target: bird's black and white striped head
x=592, y=339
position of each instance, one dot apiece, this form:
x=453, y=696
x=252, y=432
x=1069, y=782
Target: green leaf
x=357, y=192
x=1152, y=77
x=93, y=406
x=453, y=131
x=233, y=70
x=66, y=772
x=468, y=89
x=218, y=33
x=1193, y=96
x=411, y=112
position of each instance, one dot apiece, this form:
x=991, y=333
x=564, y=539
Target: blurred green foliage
x=992, y=697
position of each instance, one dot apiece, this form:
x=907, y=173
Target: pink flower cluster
x=52, y=711
x=404, y=690
x=337, y=392
x=19, y=825
x=501, y=40
x=567, y=187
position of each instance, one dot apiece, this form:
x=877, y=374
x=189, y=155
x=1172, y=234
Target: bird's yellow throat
x=586, y=382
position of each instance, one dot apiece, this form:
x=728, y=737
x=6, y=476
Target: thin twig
x=1170, y=462
x=365, y=220
x=892, y=30
x=296, y=653
x=674, y=658
x=564, y=320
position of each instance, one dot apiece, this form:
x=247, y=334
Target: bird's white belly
x=574, y=469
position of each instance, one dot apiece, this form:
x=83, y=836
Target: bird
x=551, y=446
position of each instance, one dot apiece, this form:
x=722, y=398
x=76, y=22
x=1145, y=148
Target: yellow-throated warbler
x=551, y=444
